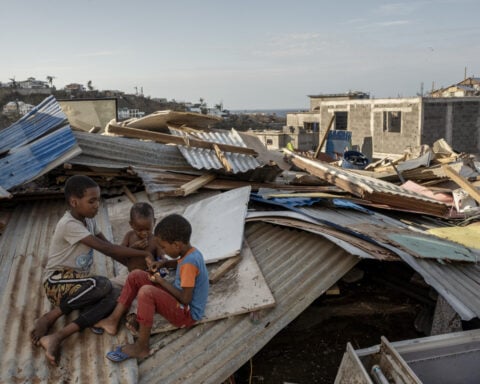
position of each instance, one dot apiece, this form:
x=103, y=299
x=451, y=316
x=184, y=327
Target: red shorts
x=153, y=298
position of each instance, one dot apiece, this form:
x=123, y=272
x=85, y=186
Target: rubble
x=420, y=209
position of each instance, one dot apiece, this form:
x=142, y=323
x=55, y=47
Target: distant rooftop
x=348, y=95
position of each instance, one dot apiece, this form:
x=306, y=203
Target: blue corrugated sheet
x=30, y=161
x=45, y=117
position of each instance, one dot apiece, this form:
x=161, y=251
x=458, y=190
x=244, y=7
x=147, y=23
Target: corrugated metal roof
x=119, y=152
x=201, y=158
x=352, y=244
x=43, y=118
x=370, y=188
x=298, y=267
x=458, y=283
x=24, y=251
x=31, y=161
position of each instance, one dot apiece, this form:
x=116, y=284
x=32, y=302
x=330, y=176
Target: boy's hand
x=155, y=266
x=155, y=277
x=149, y=260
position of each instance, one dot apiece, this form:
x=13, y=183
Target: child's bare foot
x=41, y=327
x=51, y=344
x=136, y=351
x=108, y=325
x=132, y=324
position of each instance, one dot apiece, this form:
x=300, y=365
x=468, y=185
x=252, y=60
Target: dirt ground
x=310, y=349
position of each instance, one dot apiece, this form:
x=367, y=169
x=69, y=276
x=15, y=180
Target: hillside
x=240, y=122
x=145, y=104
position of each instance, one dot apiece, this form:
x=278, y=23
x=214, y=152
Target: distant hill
x=140, y=102
x=238, y=121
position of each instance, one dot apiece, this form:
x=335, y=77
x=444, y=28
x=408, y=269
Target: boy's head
x=82, y=195
x=142, y=219
x=173, y=233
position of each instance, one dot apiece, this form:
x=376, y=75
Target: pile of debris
x=277, y=230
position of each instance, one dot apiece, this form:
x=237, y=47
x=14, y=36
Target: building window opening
x=392, y=121
x=269, y=142
x=341, y=121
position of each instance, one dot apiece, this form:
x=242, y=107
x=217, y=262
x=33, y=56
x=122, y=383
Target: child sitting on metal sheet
x=142, y=220
x=181, y=303
x=68, y=284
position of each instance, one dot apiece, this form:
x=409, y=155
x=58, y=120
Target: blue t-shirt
x=196, y=277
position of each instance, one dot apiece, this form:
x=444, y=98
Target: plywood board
x=218, y=223
x=243, y=289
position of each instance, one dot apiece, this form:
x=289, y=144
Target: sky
x=244, y=54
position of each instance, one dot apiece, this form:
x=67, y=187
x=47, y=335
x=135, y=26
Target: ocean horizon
x=281, y=112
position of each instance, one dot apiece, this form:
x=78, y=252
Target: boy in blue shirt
x=181, y=303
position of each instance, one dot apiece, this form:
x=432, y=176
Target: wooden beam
x=222, y=158
x=462, y=182
x=223, y=269
x=177, y=140
x=197, y=183
x=129, y=194
x=324, y=138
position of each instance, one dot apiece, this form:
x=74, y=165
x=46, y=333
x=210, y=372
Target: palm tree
x=14, y=83
x=50, y=80
x=203, y=106
x=89, y=85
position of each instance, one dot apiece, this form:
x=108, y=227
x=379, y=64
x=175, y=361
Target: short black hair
x=77, y=185
x=141, y=209
x=173, y=228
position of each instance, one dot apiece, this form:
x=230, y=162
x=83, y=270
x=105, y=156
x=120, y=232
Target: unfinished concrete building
x=390, y=126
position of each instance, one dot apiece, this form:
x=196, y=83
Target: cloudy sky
x=247, y=54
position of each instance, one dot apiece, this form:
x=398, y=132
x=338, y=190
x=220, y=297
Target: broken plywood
x=243, y=289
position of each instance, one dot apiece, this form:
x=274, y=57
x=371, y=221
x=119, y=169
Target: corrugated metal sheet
x=380, y=230
x=369, y=188
x=459, y=284
x=298, y=267
x=351, y=244
x=42, y=119
x=118, y=152
x=31, y=161
x=201, y=158
x=23, y=251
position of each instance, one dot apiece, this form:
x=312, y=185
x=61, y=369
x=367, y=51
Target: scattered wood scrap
x=195, y=184
x=224, y=267
x=462, y=182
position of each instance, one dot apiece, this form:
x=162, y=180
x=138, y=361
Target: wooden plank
x=177, y=140
x=129, y=194
x=462, y=182
x=195, y=184
x=324, y=138
x=226, y=266
x=222, y=158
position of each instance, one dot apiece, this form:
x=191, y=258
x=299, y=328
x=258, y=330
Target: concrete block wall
x=408, y=137
x=365, y=121
x=434, y=122
x=457, y=120
x=466, y=127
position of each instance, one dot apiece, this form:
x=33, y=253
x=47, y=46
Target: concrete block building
x=383, y=127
